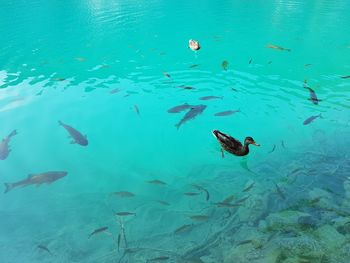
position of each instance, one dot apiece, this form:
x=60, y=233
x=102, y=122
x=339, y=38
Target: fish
x=161, y=258
x=224, y=204
x=244, y=242
x=345, y=77
x=278, y=47
x=4, y=145
x=162, y=202
x=194, y=65
x=191, y=114
x=226, y=113
x=228, y=199
x=166, y=75
x=125, y=214
x=199, y=217
x=191, y=193
x=201, y=188
x=283, y=145
x=210, y=97
x=249, y=186
x=119, y=236
x=183, y=229
x=124, y=194
x=137, y=109
x=307, y=65
x=114, y=91
x=179, y=108
x=234, y=89
x=242, y=199
x=186, y=87
x=97, y=231
x=273, y=148
x=224, y=64
x=156, y=182
x=313, y=96
x=37, y=179
x=280, y=192
x=76, y=135
x=42, y=247
x=311, y=119
x=58, y=79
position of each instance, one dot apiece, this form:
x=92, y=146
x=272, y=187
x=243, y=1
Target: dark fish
x=201, y=188
x=166, y=74
x=137, y=109
x=273, y=148
x=244, y=242
x=224, y=65
x=45, y=249
x=250, y=61
x=191, y=193
x=278, y=47
x=307, y=65
x=313, y=96
x=156, y=182
x=210, y=97
x=163, y=202
x=119, y=241
x=234, y=89
x=226, y=113
x=269, y=62
x=224, y=204
x=242, y=199
x=283, y=145
x=248, y=187
x=76, y=135
x=124, y=194
x=125, y=214
x=194, y=65
x=199, y=217
x=345, y=77
x=228, y=199
x=97, y=231
x=183, y=229
x=185, y=87
x=311, y=119
x=191, y=114
x=162, y=258
x=37, y=179
x=280, y=192
x=179, y=108
x=4, y=145
x=114, y=91
x=58, y=79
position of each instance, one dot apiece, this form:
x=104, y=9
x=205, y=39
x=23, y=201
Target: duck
x=233, y=145
x=193, y=44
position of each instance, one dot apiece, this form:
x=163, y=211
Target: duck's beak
x=256, y=144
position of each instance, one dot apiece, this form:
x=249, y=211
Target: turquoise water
x=91, y=64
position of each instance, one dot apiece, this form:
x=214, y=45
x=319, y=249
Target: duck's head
x=193, y=44
x=249, y=140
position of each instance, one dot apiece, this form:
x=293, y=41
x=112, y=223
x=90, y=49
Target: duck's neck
x=246, y=148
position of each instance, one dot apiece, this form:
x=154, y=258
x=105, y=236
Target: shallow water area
x=111, y=70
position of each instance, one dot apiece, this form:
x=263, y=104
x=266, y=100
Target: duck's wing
x=227, y=140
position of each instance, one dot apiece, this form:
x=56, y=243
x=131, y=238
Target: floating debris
x=98, y=231
x=158, y=182
x=193, y=45
x=199, y=217
x=273, y=149
x=4, y=145
x=125, y=214
x=37, y=179
x=183, y=229
x=124, y=194
x=75, y=135
x=224, y=65
x=42, y=247
x=311, y=119
x=191, y=114
x=226, y=113
x=211, y=97
x=80, y=59
x=278, y=47
x=179, y=108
